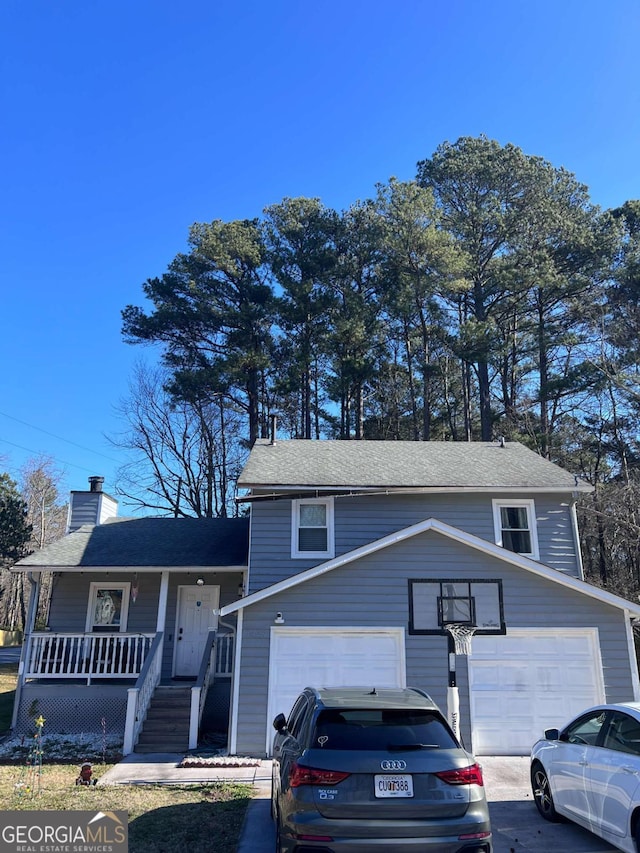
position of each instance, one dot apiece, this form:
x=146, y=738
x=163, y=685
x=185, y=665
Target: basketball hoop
x=462, y=635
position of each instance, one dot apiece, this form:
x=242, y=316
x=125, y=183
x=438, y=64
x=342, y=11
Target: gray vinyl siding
x=70, y=599
x=373, y=592
x=85, y=509
x=90, y=508
x=360, y=520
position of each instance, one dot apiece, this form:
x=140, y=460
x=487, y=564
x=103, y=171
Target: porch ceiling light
x=200, y=581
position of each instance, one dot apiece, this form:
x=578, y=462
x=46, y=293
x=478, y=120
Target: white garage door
x=331, y=657
x=528, y=681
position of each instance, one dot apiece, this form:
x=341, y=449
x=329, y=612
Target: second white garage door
x=529, y=681
x=331, y=657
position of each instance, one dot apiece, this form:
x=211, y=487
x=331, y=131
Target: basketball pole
x=453, y=696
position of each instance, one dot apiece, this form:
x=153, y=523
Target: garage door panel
x=330, y=657
x=509, y=740
x=527, y=681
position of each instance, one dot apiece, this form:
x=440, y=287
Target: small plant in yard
x=32, y=771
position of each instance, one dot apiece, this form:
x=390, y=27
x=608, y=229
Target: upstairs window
x=515, y=527
x=312, y=528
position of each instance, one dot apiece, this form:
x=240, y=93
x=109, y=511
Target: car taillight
x=300, y=775
x=471, y=775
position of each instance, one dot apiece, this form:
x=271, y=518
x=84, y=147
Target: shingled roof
x=338, y=465
x=170, y=542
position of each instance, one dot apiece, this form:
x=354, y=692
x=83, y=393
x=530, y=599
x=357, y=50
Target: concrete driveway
x=515, y=821
x=517, y=826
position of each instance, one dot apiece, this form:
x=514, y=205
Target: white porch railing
x=224, y=654
x=57, y=655
x=139, y=697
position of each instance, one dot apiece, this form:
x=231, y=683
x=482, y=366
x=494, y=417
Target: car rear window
x=383, y=729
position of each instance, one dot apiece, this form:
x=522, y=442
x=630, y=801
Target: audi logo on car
x=393, y=765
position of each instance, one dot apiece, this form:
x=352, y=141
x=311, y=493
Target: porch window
x=312, y=528
x=515, y=527
x=108, y=607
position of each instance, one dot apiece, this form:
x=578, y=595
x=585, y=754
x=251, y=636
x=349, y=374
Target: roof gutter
x=300, y=492
x=79, y=569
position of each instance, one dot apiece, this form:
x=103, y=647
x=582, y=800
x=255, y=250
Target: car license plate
x=393, y=786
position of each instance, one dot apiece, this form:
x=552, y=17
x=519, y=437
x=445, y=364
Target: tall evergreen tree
x=213, y=314
x=15, y=529
x=300, y=236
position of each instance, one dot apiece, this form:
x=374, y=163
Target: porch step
x=166, y=727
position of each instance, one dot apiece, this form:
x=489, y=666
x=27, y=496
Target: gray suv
x=358, y=770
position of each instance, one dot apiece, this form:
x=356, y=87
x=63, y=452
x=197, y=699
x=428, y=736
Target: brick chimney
x=91, y=507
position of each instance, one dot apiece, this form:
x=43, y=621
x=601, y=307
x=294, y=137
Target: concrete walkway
x=516, y=825
x=164, y=769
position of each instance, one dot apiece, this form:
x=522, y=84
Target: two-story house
x=360, y=554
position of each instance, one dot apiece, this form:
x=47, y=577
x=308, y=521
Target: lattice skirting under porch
x=73, y=709
x=215, y=716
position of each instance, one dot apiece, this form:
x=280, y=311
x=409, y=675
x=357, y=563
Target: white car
x=589, y=772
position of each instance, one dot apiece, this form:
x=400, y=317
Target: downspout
x=26, y=645
x=576, y=536
x=235, y=689
x=630, y=622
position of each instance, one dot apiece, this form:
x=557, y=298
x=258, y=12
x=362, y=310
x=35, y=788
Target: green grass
x=8, y=677
x=162, y=818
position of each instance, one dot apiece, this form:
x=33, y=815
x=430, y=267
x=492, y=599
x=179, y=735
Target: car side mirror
x=280, y=723
x=552, y=734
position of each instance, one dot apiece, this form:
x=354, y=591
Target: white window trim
x=529, y=505
x=90, y=626
x=296, y=554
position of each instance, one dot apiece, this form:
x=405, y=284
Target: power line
x=37, y=453
x=58, y=437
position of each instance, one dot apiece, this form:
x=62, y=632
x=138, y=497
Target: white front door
x=530, y=680
x=194, y=620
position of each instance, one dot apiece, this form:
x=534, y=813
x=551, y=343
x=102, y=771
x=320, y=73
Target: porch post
x=162, y=602
x=130, y=722
x=26, y=642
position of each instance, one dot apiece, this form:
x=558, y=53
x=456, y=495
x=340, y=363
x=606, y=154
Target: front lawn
x=162, y=818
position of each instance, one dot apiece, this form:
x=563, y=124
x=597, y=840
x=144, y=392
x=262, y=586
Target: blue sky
x=122, y=123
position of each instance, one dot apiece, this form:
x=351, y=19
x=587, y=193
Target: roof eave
x=130, y=568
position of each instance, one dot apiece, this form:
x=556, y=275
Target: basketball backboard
x=434, y=604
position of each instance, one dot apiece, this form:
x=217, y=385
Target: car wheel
x=636, y=836
x=542, y=793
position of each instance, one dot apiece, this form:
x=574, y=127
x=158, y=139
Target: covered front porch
x=159, y=629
